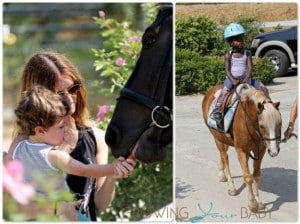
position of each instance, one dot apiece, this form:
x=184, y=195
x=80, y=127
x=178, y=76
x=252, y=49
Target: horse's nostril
x=112, y=136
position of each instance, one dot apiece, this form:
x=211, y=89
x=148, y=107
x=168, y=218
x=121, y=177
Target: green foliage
x=117, y=44
x=186, y=72
x=195, y=73
x=200, y=47
x=151, y=10
x=148, y=189
x=198, y=34
x=263, y=70
x=150, y=186
x=201, y=35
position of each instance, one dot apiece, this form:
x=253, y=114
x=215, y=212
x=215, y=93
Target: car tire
x=280, y=61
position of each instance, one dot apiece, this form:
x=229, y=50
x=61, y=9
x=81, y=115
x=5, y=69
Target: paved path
x=197, y=159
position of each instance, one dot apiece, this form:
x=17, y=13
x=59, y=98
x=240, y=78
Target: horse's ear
x=276, y=105
x=260, y=107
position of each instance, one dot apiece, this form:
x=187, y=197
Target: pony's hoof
x=253, y=209
x=261, y=206
x=253, y=206
x=222, y=179
x=232, y=192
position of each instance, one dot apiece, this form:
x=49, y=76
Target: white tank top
x=239, y=66
x=36, y=165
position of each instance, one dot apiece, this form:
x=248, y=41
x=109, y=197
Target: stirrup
x=216, y=115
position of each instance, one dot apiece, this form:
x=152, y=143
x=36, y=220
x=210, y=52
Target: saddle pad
x=228, y=117
x=235, y=93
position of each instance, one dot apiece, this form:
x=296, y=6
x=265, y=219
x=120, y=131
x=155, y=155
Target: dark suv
x=280, y=47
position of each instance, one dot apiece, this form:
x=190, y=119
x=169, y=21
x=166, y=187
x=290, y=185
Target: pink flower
x=14, y=184
x=101, y=14
x=103, y=110
x=135, y=38
x=120, y=61
x=15, y=168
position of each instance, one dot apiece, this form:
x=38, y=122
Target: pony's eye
x=149, y=39
x=261, y=126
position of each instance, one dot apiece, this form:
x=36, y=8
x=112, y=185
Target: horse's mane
x=258, y=96
x=255, y=95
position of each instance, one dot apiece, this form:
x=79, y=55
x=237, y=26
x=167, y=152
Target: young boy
x=41, y=116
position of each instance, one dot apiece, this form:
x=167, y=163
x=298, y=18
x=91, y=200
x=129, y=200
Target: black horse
x=142, y=119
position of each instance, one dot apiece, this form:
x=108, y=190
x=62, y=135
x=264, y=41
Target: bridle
x=157, y=108
x=257, y=131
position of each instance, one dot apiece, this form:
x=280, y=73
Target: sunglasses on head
x=71, y=90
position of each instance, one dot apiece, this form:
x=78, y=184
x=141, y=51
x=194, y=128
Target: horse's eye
x=261, y=126
x=149, y=39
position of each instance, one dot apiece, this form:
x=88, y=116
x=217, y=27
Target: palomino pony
x=256, y=127
x=142, y=119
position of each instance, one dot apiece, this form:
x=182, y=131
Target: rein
x=258, y=133
x=158, y=108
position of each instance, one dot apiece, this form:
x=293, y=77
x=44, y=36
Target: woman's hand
x=70, y=136
x=288, y=132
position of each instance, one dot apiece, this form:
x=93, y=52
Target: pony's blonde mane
x=255, y=95
x=270, y=113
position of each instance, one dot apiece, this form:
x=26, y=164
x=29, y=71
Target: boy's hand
x=123, y=167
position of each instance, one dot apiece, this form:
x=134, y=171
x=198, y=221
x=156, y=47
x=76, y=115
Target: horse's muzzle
x=112, y=136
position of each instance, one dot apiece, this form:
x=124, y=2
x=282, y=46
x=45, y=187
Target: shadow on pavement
x=281, y=182
x=182, y=189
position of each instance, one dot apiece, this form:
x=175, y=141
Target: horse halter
x=158, y=108
x=257, y=131
x=264, y=139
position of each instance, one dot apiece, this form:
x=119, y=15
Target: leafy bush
x=196, y=73
x=200, y=48
x=263, y=70
x=198, y=34
x=116, y=60
x=148, y=189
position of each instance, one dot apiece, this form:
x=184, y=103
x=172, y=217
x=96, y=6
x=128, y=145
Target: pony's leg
x=224, y=166
x=221, y=172
x=248, y=178
x=256, y=180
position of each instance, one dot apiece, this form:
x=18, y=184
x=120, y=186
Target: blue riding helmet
x=233, y=29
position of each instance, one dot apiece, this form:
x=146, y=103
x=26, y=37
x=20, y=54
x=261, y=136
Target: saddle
x=232, y=96
x=229, y=107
